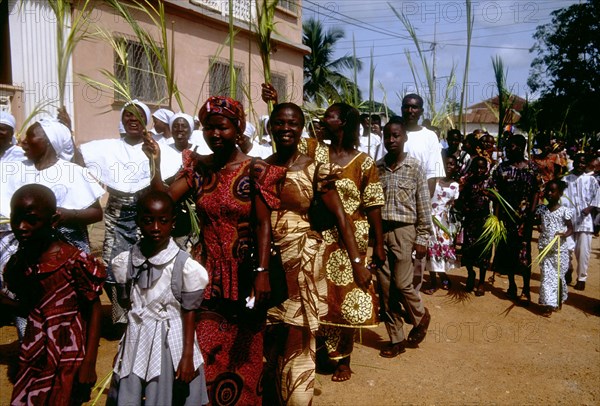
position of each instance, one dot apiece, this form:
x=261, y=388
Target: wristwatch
x=356, y=260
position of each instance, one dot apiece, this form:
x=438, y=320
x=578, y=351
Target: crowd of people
x=342, y=201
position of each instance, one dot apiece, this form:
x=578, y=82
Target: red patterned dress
x=54, y=292
x=232, y=345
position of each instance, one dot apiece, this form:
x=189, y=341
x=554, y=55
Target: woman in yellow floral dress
x=290, y=340
x=362, y=197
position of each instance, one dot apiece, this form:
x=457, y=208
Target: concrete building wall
x=199, y=36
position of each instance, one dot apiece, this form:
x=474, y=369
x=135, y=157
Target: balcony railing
x=243, y=10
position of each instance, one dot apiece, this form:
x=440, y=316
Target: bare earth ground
x=479, y=350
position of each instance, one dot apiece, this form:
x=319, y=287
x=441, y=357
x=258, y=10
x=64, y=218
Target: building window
x=280, y=84
x=289, y=5
x=219, y=81
x=146, y=78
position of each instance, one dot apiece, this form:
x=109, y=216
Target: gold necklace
x=294, y=161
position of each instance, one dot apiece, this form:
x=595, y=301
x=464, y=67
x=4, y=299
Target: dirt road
x=479, y=350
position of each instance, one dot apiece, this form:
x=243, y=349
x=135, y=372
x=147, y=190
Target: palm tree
x=323, y=80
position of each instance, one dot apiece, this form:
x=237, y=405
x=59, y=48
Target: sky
x=501, y=28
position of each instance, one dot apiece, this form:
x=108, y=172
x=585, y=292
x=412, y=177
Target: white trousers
x=583, y=248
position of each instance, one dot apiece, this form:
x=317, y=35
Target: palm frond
x=115, y=84
x=265, y=26
x=194, y=220
x=101, y=386
x=441, y=114
x=470, y=22
x=354, y=70
x=442, y=227
x=493, y=233
x=506, y=206
x=430, y=97
x=38, y=109
x=158, y=51
x=544, y=253
x=384, y=100
x=67, y=37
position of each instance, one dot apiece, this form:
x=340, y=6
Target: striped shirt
x=406, y=196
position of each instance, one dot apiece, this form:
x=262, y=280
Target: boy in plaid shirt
x=407, y=227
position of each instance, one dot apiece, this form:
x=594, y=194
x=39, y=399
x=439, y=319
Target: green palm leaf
x=493, y=233
x=442, y=227
x=512, y=213
x=544, y=253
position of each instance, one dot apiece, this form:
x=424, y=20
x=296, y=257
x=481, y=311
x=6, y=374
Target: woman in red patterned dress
x=58, y=287
x=231, y=341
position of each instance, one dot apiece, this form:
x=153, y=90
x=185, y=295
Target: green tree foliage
x=565, y=70
x=323, y=78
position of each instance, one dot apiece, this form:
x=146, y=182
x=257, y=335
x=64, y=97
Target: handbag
x=186, y=219
x=183, y=218
x=319, y=216
x=277, y=277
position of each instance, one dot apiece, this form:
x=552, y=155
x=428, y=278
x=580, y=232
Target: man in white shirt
x=583, y=195
x=422, y=144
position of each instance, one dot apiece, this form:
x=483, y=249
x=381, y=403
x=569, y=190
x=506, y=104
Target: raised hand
x=268, y=93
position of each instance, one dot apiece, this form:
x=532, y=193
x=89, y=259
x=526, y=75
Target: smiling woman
x=291, y=342
x=235, y=224
x=181, y=126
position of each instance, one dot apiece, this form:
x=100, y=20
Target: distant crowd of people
x=237, y=263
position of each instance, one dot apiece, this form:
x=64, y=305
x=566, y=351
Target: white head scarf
x=250, y=130
x=164, y=115
x=265, y=120
x=60, y=138
x=8, y=119
x=140, y=104
x=186, y=117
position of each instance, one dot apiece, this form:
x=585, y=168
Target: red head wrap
x=224, y=106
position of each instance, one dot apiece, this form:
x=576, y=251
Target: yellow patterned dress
x=290, y=338
x=348, y=306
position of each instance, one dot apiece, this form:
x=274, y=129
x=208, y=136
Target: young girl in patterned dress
x=159, y=358
x=555, y=220
x=441, y=255
x=58, y=286
x=474, y=205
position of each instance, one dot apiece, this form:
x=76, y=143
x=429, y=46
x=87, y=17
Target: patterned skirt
x=233, y=358
x=121, y=233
